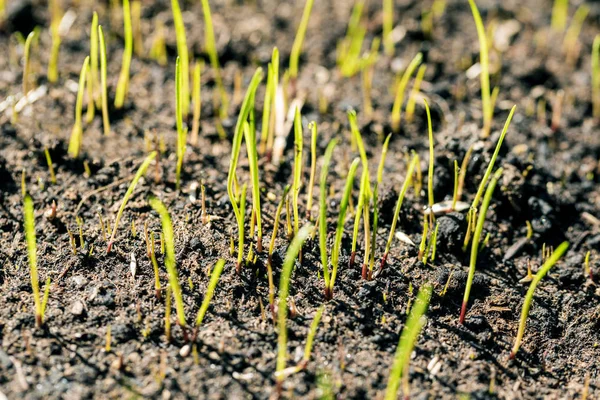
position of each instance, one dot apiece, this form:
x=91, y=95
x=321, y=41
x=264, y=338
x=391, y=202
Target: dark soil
x=551, y=178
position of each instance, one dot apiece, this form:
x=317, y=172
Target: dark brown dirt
x=551, y=179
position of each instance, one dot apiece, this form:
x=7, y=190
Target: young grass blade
x=550, y=262
x=560, y=12
x=298, y=145
x=476, y=237
x=123, y=84
x=77, y=131
x=181, y=131
x=407, y=181
x=337, y=244
x=412, y=99
x=284, y=288
x=596, y=77
x=266, y=117
x=250, y=136
x=140, y=172
x=357, y=215
x=210, y=290
x=32, y=253
x=196, y=90
x=169, y=239
x=272, y=247
x=323, y=212
x=399, y=99
x=182, y=51
x=388, y=24
x=55, y=49
x=431, y=159
x=313, y=168
x=211, y=49
x=27, y=62
x=299, y=40
x=414, y=324
x=384, y=151
x=103, y=89
x=92, y=75
x=50, y=166
x=485, y=71
x=311, y=336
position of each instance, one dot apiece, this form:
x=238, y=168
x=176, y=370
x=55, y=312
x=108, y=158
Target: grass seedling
x=368, y=68
x=414, y=324
x=269, y=109
x=423, y=238
x=339, y=230
x=169, y=241
x=361, y=202
x=560, y=12
x=366, y=228
x=152, y=256
x=586, y=266
x=412, y=100
x=570, y=45
x=181, y=131
x=136, y=25
x=313, y=168
x=168, y=314
x=140, y=172
x=250, y=136
x=407, y=181
x=246, y=111
x=550, y=262
x=323, y=212
x=158, y=51
x=284, y=289
x=473, y=210
x=40, y=306
x=50, y=166
x=210, y=291
x=455, y=192
x=348, y=57
x=476, y=237
x=272, y=247
x=211, y=49
x=93, y=72
x=298, y=145
x=27, y=62
x=77, y=131
x=123, y=83
x=299, y=41
x=103, y=88
x=484, y=75
x=463, y=172
x=384, y=151
x=388, y=24
x=196, y=100
x=596, y=77
x=182, y=51
x=399, y=98
x=56, y=13
x=431, y=161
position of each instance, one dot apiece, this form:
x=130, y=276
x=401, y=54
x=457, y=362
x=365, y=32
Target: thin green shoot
x=299, y=40
x=140, y=172
x=77, y=131
x=182, y=52
x=570, y=45
x=366, y=228
x=103, y=88
x=50, y=166
x=434, y=240
x=414, y=324
x=56, y=40
x=380, y=168
x=463, y=172
x=210, y=290
x=407, y=181
x=298, y=145
x=361, y=147
x=241, y=231
x=388, y=24
x=211, y=49
x=158, y=50
x=586, y=266
x=168, y=313
x=431, y=159
x=412, y=99
x=27, y=62
x=181, y=131
x=197, y=101
x=93, y=99
x=337, y=244
x=455, y=192
x=274, y=90
x=473, y=210
x=369, y=60
x=313, y=168
x=272, y=247
x=169, y=242
x=349, y=48
x=136, y=25
x=123, y=83
x=423, y=238
x=358, y=214
x=269, y=103
x=251, y=148
x=284, y=289
x=323, y=212
x=476, y=238
x=32, y=253
x=560, y=12
x=596, y=77
x=152, y=252
x=399, y=98
x=550, y=262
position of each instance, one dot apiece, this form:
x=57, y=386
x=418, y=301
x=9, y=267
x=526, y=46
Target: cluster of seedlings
x=279, y=96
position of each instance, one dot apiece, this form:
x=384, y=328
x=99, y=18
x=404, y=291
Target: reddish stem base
x=463, y=312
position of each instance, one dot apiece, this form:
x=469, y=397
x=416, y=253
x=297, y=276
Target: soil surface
x=551, y=178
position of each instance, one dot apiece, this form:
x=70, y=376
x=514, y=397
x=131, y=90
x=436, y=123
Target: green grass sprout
x=412, y=99
x=407, y=181
x=55, y=19
x=77, y=131
x=348, y=54
x=170, y=263
x=299, y=40
x=550, y=262
x=136, y=25
x=272, y=247
x=375, y=226
x=484, y=75
x=152, y=255
x=50, y=166
x=211, y=49
x=181, y=131
x=140, y=172
x=388, y=25
x=414, y=324
x=586, y=266
x=596, y=77
x=297, y=181
x=197, y=101
x=32, y=253
x=570, y=45
x=27, y=62
x=123, y=83
x=268, y=119
x=323, y=213
x=357, y=216
x=92, y=75
x=210, y=290
x=182, y=51
x=431, y=160
x=284, y=289
x=251, y=148
x=399, y=98
x=313, y=168
x=476, y=238
x=560, y=12
x=455, y=192
x=103, y=88
x=473, y=209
